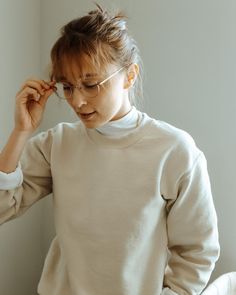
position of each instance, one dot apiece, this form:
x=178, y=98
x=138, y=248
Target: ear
x=131, y=76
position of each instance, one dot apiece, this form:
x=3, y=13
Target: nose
x=78, y=99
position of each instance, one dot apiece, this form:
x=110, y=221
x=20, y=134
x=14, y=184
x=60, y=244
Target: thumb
x=45, y=97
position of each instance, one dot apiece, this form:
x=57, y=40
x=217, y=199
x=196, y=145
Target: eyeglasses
x=65, y=90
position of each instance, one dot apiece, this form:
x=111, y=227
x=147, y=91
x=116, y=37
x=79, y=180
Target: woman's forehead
x=75, y=68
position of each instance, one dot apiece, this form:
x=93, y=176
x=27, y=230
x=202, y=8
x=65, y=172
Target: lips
x=86, y=116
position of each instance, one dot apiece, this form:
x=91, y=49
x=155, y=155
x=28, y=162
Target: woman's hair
x=103, y=38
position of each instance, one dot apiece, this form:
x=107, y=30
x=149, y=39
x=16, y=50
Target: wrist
x=21, y=133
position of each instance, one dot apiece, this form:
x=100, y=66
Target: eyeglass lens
x=65, y=91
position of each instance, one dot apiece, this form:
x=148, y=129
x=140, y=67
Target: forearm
x=11, y=153
x=34, y=183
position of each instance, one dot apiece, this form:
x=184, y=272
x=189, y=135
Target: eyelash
x=84, y=84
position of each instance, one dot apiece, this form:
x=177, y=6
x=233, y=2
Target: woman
x=133, y=208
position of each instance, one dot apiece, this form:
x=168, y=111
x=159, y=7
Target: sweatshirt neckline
x=123, y=141
x=121, y=126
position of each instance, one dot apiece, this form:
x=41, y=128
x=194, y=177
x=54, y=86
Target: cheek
x=110, y=96
x=107, y=101
x=104, y=99
x=114, y=91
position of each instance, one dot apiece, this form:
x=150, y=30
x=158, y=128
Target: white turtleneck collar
x=121, y=126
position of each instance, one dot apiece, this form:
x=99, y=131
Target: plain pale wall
x=20, y=239
x=188, y=50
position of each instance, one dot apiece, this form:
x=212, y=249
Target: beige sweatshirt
x=134, y=214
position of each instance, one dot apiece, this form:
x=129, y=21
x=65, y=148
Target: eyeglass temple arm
x=108, y=78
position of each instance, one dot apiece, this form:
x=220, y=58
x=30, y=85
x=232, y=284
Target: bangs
x=80, y=54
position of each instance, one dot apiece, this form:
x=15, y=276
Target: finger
x=44, y=84
x=39, y=85
x=44, y=98
x=50, y=83
x=28, y=94
x=52, y=86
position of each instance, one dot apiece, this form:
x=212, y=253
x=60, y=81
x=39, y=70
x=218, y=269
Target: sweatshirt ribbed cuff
x=11, y=180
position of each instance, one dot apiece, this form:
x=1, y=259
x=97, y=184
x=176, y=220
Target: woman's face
x=110, y=104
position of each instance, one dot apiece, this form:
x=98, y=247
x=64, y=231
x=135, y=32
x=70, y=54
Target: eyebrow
x=87, y=75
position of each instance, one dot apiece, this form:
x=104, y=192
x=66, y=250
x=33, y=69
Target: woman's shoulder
x=62, y=131
x=65, y=127
x=61, y=128
x=166, y=132
x=173, y=141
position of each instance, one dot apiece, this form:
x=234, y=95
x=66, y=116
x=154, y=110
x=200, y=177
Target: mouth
x=87, y=116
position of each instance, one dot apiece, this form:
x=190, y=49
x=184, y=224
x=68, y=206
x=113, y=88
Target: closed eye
x=89, y=85
x=66, y=86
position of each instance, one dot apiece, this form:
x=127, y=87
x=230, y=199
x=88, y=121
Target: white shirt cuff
x=11, y=180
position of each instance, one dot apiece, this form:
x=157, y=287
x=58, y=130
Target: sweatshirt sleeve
x=192, y=232
x=16, y=194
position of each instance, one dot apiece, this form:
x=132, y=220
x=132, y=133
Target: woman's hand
x=30, y=104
